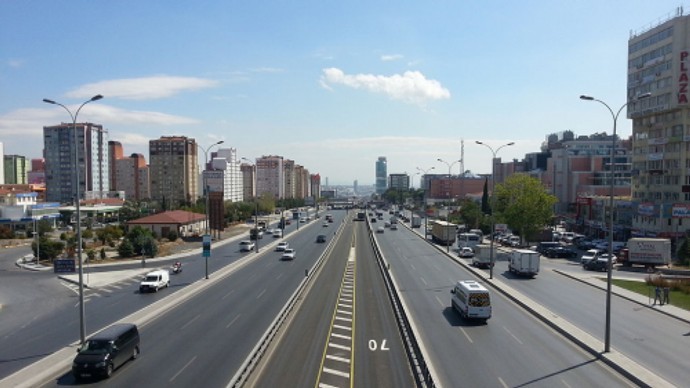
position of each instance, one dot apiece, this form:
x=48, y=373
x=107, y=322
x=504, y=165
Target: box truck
x=649, y=252
x=442, y=232
x=482, y=256
x=524, y=262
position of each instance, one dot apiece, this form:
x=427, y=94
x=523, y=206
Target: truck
x=443, y=232
x=416, y=222
x=649, y=252
x=482, y=256
x=524, y=262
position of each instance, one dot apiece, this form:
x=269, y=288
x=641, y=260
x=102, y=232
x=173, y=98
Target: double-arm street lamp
x=77, y=183
x=493, y=198
x=256, y=210
x=206, y=193
x=612, y=164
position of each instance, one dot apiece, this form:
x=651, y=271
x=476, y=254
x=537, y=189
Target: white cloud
x=15, y=63
x=391, y=57
x=146, y=88
x=411, y=87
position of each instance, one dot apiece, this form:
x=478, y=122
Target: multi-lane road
x=342, y=330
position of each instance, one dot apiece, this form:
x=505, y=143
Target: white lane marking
x=336, y=372
x=440, y=301
x=342, y=327
x=344, y=319
x=423, y=281
x=512, y=335
x=342, y=347
x=565, y=383
x=280, y=275
x=345, y=305
x=324, y=385
x=233, y=321
x=342, y=336
x=336, y=358
x=190, y=322
x=181, y=370
x=466, y=335
x=228, y=294
x=261, y=294
x=413, y=268
x=344, y=312
x=503, y=383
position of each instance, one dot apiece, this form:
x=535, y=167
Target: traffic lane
x=659, y=349
x=380, y=355
x=211, y=334
x=294, y=359
x=512, y=337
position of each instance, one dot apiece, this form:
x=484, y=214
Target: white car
x=288, y=254
x=277, y=233
x=283, y=245
x=246, y=246
x=466, y=252
x=380, y=229
x=591, y=254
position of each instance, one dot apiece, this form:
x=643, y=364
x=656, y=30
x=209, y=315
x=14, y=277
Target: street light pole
x=206, y=192
x=450, y=166
x=426, y=220
x=77, y=183
x=612, y=163
x=256, y=210
x=493, y=198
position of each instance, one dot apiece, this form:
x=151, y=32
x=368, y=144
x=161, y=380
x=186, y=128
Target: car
x=325, y=225
x=373, y=219
x=277, y=233
x=380, y=229
x=394, y=226
x=598, y=264
x=282, y=246
x=154, y=281
x=560, y=252
x=107, y=350
x=321, y=238
x=585, y=244
x=466, y=252
x=288, y=254
x=387, y=224
x=590, y=255
x=246, y=246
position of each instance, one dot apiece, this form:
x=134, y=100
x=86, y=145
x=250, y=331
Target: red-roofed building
x=186, y=224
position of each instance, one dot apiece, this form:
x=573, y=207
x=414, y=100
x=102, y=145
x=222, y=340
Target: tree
x=49, y=249
x=470, y=214
x=126, y=249
x=486, y=206
x=523, y=203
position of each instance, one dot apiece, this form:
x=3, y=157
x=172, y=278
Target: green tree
x=523, y=203
x=103, y=255
x=49, y=249
x=149, y=247
x=486, y=206
x=470, y=214
x=126, y=249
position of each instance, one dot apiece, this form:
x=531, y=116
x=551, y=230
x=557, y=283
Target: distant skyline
x=330, y=85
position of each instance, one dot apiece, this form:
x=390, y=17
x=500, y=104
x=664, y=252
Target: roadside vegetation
x=679, y=295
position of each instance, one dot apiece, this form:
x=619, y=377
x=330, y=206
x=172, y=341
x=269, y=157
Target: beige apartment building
x=659, y=64
x=173, y=170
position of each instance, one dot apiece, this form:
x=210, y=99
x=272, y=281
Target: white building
x=225, y=175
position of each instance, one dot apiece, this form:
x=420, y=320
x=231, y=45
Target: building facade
x=132, y=177
x=659, y=64
x=173, y=170
x=248, y=180
x=270, y=176
x=381, y=175
x=93, y=166
x=224, y=175
x=15, y=170
x=399, y=182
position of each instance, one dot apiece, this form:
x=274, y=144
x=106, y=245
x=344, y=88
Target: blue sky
x=330, y=85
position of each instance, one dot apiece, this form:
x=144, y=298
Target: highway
x=323, y=346
x=512, y=349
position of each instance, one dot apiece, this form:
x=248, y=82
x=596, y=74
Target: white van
x=471, y=300
x=154, y=281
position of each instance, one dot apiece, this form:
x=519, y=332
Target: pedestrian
x=667, y=291
x=657, y=295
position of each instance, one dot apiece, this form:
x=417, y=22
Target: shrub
x=172, y=235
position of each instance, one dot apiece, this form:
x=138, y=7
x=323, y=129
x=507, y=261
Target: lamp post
x=206, y=191
x=426, y=220
x=614, y=116
x=493, y=197
x=450, y=200
x=77, y=183
x=256, y=210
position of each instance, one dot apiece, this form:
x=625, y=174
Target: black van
x=103, y=352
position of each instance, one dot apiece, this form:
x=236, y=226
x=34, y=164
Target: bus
x=468, y=240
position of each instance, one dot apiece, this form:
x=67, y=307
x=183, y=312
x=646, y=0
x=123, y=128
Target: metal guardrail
x=418, y=364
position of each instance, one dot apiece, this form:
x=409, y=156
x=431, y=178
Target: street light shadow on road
x=556, y=373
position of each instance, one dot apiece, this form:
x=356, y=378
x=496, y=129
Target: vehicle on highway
x=560, y=252
x=277, y=233
x=256, y=233
x=380, y=229
x=154, y=281
x=543, y=246
x=105, y=351
x=466, y=252
x=283, y=245
x=321, y=238
x=246, y=246
x=471, y=300
x=394, y=227
x=373, y=219
x=288, y=254
x=325, y=225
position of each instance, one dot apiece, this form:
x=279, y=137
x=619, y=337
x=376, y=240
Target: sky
x=330, y=85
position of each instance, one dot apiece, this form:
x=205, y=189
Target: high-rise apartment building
x=270, y=176
x=173, y=170
x=15, y=169
x=248, y=179
x=132, y=177
x=399, y=181
x=2, y=160
x=659, y=64
x=60, y=169
x=37, y=175
x=381, y=175
x=224, y=175
x=291, y=177
x=115, y=152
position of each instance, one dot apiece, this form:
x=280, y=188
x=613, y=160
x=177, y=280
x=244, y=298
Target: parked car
x=283, y=245
x=591, y=254
x=585, y=244
x=288, y=254
x=598, y=264
x=560, y=252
